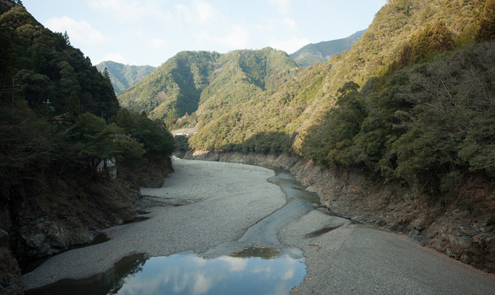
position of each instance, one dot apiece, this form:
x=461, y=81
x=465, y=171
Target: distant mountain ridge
x=323, y=51
x=212, y=80
x=124, y=76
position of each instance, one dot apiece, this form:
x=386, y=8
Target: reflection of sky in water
x=189, y=274
x=253, y=270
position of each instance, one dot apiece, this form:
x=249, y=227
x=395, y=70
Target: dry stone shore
x=225, y=199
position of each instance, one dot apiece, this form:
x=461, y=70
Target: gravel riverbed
x=224, y=200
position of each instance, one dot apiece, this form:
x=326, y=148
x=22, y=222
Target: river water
x=257, y=263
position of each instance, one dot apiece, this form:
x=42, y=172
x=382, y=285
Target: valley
x=390, y=130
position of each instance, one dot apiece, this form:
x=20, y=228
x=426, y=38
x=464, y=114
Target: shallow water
x=251, y=271
x=255, y=264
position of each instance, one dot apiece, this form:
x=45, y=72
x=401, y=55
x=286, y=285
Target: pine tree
x=66, y=38
x=106, y=75
x=73, y=106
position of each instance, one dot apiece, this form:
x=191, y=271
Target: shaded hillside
x=213, y=80
x=408, y=111
x=124, y=76
x=49, y=67
x=53, y=135
x=305, y=101
x=323, y=51
x=174, y=88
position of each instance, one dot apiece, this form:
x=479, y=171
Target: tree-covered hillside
x=54, y=106
x=124, y=76
x=212, y=80
x=48, y=66
x=59, y=120
x=174, y=88
x=323, y=51
x=390, y=103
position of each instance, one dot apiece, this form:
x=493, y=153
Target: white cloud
x=202, y=284
x=204, y=11
x=203, y=36
x=262, y=269
x=290, y=23
x=157, y=43
x=80, y=32
x=198, y=13
x=130, y=10
x=116, y=57
x=183, y=12
x=237, y=39
x=264, y=28
x=289, y=274
x=283, y=6
x=289, y=46
x=236, y=264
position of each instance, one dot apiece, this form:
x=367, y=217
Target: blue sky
x=148, y=32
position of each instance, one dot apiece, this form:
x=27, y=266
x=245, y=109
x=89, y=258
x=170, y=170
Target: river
x=249, y=230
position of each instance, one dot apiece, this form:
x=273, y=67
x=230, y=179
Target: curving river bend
x=241, y=234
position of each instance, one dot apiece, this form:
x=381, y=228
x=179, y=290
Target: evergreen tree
x=66, y=38
x=106, y=75
x=73, y=106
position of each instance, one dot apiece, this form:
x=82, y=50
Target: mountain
x=369, y=107
x=211, y=79
x=260, y=101
x=124, y=76
x=48, y=66
x=60, y=122
x=409, y=108
x=323, y=51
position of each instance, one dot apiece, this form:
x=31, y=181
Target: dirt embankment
x=463, y=228
x=52, y=212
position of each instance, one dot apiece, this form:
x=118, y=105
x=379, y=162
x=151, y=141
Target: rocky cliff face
x=48, y=215
x=463, y=230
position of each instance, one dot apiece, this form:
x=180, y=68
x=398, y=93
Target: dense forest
x=57, y=107
x=59, y=119
x=400, y=102
x=400, y=127
x=124, y=76
x=190, y=79
x=323, y=51
x=412, y=101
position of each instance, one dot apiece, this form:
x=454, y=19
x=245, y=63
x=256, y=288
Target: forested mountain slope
x=323, y=51
x=403, y=33
x=363, y=108
x=60, y=119
x=49, y=67
x=191, y=79
x=124, y=76
x=411, y=104
x=174, y=88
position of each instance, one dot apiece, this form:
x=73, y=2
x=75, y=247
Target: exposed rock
x=360, y=196
x=48, y=214
x=10, y=273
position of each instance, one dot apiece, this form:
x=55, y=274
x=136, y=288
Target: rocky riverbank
x=463, y=229
x=53, y=213
x=230, y=208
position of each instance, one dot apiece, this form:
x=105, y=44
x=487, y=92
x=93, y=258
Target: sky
x=149, y=32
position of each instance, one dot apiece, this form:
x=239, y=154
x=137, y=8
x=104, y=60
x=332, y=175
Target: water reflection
x=252, y=251
x=250, y=271
x=272, y=269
